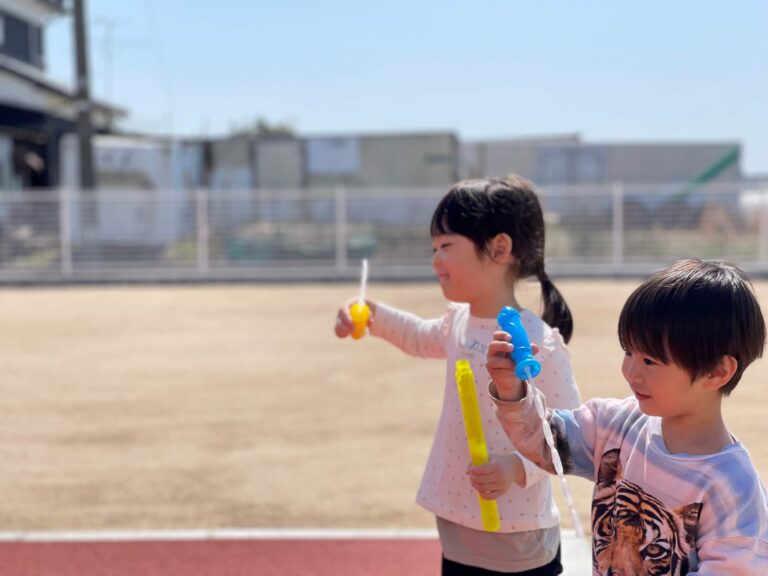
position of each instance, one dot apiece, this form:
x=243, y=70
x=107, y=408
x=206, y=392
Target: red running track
x=262, y=557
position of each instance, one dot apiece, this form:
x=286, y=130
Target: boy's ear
x=501, y=248
x=722, y=373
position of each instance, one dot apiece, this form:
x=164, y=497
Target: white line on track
x=223, y=534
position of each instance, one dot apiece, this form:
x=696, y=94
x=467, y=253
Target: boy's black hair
x=693, y=313
x=481, y=209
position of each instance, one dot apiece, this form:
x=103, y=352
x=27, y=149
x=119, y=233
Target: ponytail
x=556, y=311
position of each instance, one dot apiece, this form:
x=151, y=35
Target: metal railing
x=305, y=234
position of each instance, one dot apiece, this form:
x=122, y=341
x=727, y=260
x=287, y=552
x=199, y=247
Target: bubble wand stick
x=527, y=368
x=359, y=310
x=473, y=425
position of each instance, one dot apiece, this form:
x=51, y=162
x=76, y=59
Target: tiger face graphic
x=635, y=534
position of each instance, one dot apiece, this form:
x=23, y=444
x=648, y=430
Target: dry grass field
x=235, y=406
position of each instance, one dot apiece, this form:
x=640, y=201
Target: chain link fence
x=321, y=234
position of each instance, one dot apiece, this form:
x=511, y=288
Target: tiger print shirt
x=653, y=512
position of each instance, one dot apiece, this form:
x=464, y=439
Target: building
x=35, y=111
x=413, y=160
x=146, y=189
x=568, y=161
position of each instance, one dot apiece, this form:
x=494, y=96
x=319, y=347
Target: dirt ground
x=236, y=406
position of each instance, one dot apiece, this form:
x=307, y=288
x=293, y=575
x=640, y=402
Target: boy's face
x=665, y=390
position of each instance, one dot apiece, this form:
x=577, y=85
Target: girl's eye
x=649, y=361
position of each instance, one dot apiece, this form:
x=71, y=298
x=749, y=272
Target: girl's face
x=459, y=268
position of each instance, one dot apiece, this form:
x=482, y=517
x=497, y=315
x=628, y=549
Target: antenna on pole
x=108, y=50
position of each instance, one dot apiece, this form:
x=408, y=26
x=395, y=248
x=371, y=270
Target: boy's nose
x=630, y=369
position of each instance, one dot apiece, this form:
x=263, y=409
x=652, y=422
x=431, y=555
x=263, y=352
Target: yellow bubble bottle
x=473, y=425
x=360, y=314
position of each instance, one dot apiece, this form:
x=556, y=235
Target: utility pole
x=83, y=103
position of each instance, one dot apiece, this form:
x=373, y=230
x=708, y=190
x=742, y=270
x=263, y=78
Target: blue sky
x=679, y=70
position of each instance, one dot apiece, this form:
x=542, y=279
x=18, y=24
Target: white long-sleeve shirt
x=653, y=512
x=445, y=488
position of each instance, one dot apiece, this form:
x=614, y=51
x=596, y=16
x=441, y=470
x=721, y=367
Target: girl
x=487, y=235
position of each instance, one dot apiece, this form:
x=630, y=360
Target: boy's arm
x=514, y=407
x=743, y=556
x=574, y=432
x=522, y=424
x=732, y=527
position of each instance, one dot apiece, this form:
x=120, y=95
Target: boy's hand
x=501, y=367
x=494, y=478
x=344, y=325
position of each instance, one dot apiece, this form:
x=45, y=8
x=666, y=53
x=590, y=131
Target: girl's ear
x=722, y=373
x=500, y=248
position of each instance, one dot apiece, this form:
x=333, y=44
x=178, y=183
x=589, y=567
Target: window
x=19, y=40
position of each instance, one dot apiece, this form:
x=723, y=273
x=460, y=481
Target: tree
x=263, y=127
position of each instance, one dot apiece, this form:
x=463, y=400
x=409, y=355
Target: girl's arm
x=413, y=335
x=496, y=476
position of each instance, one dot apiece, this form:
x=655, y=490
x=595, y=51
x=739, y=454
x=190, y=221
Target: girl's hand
x=495, y=477
x=501, y=367
x=344, y=325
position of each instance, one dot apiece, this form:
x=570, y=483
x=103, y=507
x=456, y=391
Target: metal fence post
x=762, y=227
x=617, y=228
x=203, y=232
x=340, y=197
x=65, y=232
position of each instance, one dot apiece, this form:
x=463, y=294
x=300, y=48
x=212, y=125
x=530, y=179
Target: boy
x=674, y=493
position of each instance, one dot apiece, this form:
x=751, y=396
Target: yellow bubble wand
x=359, y=310
x=478, y=452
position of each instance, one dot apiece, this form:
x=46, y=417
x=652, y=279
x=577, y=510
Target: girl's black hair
x=693, y=313
x=482, y=209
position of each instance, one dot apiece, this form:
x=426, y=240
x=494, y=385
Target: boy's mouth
x=640, y=395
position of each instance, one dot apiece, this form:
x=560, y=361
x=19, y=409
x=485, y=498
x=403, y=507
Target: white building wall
x=145, y=189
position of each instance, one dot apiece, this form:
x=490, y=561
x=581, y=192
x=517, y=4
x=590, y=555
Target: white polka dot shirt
x=445, y=488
